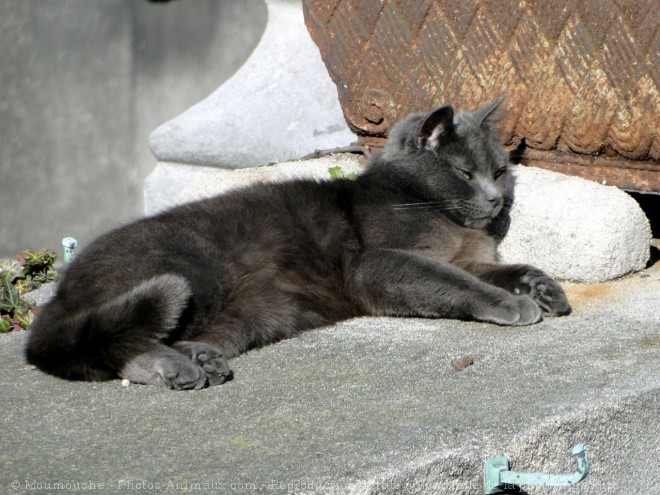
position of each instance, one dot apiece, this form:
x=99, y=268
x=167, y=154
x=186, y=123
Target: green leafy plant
x=29, y=272
x=338, y=173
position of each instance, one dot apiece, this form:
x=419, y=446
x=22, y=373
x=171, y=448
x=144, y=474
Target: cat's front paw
x=180, y=374
x=511, y=311
x=546, y=292
x=209, y=358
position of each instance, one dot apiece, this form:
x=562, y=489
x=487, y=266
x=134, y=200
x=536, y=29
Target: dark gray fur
x=168, y=299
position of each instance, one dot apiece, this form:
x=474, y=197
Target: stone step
x=368, y=406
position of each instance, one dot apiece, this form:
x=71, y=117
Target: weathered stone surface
x=280, y=105
x=220, y=181
x=82, y=85
x=368, y=406
x=66, y=162
x=167, y=180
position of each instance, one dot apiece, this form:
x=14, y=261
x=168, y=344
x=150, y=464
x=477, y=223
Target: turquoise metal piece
x=69, y=244
x=492, y=470
x=498, y=476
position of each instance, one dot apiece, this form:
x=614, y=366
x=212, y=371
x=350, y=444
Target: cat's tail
x=96, y=343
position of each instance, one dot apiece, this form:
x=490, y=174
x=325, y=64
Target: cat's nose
x=494, y=199
x=495, y=202
x=491, y=195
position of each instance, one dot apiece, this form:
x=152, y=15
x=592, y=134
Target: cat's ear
x=488, y=116
x=437, y=125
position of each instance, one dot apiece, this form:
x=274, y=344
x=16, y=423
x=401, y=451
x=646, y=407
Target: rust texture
x=582, y=78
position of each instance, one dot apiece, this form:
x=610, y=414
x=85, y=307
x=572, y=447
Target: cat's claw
x=547, y=293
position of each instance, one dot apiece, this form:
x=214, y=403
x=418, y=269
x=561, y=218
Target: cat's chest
x=450, y=243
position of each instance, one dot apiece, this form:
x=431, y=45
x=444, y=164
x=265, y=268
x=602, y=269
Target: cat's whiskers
x=435, y=205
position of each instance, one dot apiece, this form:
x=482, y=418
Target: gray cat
x=167, y=300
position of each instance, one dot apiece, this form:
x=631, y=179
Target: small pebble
x=463, y=362
x=125, y=382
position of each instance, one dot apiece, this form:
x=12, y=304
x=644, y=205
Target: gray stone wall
x=82, y=85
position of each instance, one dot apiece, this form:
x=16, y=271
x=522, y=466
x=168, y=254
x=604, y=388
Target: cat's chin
x=477, y=223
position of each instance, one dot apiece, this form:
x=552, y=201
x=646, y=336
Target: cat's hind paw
x=181, y=374
x=209, y=358
x=164, y=366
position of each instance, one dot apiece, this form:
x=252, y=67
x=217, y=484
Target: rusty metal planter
x=582, y=78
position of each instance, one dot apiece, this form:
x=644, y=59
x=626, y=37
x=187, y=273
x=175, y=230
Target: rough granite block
x=575, y=229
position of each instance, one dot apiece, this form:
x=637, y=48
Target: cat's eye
x=466, y=175
x=499, y=172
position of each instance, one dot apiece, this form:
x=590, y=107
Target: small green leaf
x=36, y=261
x=23, y=286
x=5, y=324
x=48, y=275
x=11, y=300
x=11, y=271
x=336, y=172
x=26, y=319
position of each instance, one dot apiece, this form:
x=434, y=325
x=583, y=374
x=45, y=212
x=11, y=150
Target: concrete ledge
x=218, y=182
x=171, y=184
x=369, y=406
x=167, y=180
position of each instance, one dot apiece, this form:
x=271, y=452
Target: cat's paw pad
x=547, y=293
x=209, y=358
x=513, y=310
x=180, y=374
x=522, y=310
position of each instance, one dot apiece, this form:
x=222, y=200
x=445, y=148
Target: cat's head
x=456, y=160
